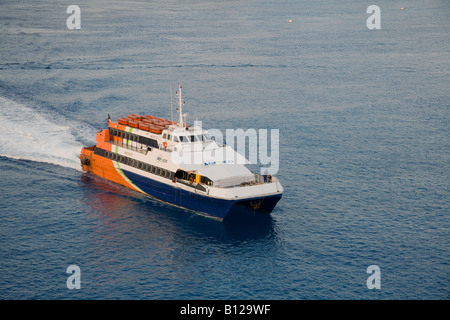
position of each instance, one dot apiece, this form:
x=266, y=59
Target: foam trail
x=27, y=134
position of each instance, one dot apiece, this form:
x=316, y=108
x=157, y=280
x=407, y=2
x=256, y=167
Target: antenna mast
x=171, y=104
x=180, y=106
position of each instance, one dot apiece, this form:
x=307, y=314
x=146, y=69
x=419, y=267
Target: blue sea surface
x=363, y=116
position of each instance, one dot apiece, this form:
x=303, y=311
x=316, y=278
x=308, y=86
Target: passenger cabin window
x=165, y=136
x=175, y=138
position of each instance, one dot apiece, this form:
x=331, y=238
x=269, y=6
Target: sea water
x=363, y=120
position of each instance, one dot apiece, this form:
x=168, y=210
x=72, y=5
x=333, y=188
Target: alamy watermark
x=374, y=21
x=74, y=21
x=374, y=280
x=74, y=280
x=251, y=147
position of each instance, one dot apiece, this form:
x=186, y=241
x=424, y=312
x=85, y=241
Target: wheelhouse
x=186, y=137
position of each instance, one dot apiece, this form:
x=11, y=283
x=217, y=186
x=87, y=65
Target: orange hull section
x=103, y=167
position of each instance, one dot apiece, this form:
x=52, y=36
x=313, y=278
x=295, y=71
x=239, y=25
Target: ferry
x=153, y=156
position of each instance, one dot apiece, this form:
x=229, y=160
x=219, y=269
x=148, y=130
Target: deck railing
x=235, y=182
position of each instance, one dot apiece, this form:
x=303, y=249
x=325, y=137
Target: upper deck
x=189, y=149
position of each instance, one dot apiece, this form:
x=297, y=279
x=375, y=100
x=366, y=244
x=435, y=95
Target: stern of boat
x=86, y=157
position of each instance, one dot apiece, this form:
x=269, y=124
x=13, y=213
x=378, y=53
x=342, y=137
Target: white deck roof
x=222, y=165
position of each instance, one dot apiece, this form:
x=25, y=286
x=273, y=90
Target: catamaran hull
x=169, y=192
x=214, y=207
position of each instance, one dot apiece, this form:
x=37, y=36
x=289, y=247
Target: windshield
x=192, y=138
x=201, y=137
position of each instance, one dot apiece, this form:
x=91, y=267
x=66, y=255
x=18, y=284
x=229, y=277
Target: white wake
x=30, y=135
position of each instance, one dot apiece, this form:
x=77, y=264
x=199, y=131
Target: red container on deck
x=156, y=129
x=123, y=121
x=133, y=123
x=144, y=126
x=134, y=116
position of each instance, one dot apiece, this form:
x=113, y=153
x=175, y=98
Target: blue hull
x=217, y=208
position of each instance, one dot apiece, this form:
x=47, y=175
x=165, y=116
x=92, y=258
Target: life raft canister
x=123, y=121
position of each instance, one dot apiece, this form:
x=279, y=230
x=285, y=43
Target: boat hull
x=170, y=193
x=214, y=207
